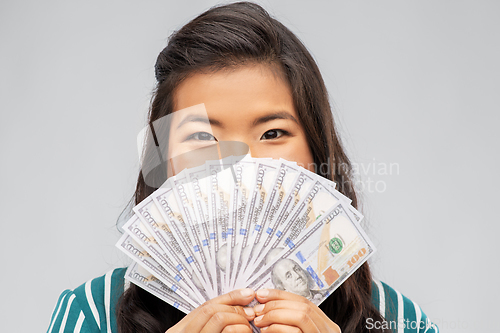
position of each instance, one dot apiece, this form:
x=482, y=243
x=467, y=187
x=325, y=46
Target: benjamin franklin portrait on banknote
x=287, y=275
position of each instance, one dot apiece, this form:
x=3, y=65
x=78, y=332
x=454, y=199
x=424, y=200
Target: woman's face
x=250, y=104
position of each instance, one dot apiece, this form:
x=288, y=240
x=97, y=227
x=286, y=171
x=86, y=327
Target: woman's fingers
x=284, y=308
x=213, y=315
x=278, y=328
x=288, y=317
x=208, y=311
x=267, y=295
x=297, y=308
x=237, y=329
x=224, y=321
x=222, y=311
x=235, y=297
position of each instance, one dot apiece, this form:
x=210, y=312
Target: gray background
x=413, y=83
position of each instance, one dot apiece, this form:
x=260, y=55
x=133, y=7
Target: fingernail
x=263, y=292
x=257, y=319
x=259, y=308
x=249, y=312
x=262, y=329
x=246, y=292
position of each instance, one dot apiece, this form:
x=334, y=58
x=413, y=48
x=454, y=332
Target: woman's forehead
x=247, y=92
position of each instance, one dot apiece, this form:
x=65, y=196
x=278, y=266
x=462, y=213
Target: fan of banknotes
x=243, y=222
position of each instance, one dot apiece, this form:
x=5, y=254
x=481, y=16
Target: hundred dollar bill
x=142, y=235
x=287, y=173
x=321, y=259
x=232, y=221
x=266, y=171
x=170, y=211
x=199, y=181
x=220, y=207
x=245, y=178
x=151, y=284
x=135, y=251
x=299, y=190
x=197, y=230
x=320, y=198
x=150, y=215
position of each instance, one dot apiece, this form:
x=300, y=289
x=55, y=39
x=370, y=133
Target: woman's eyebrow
x=273, y=116
x=199, y=119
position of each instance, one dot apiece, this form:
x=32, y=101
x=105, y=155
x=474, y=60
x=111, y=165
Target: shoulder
x=401, y=313
x=90, y=307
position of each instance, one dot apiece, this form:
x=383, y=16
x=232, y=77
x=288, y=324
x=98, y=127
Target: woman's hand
x=281, y=311
x=222, y=314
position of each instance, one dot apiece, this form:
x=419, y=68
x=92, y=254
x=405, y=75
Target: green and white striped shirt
x=90, y=308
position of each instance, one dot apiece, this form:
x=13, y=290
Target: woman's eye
x=201, y=136
x=273, y=134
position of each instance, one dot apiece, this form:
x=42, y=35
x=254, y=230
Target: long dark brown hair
x=230, y=36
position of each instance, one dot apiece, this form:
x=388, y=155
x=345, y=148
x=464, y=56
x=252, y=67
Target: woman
x=260, y=86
